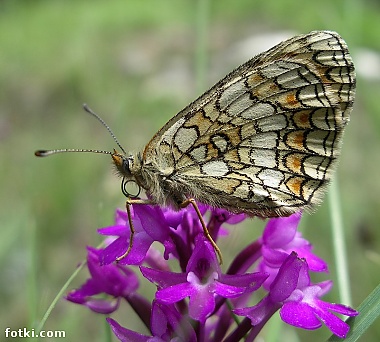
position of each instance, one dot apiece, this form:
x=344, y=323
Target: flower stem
x=59, y=296
x=240, y=331
x=201, y=332
x=339, y=244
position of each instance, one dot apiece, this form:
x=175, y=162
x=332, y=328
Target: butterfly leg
x=128, y=205
x=205, y=230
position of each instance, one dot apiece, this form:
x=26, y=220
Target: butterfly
x=263, y=141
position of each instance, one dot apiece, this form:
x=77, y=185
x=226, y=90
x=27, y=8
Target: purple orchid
x=149, y=224
x=279, y=239
x=198, y=292
x=298, y=300
x=116, y=281
x=201, y=282
x=174, y=229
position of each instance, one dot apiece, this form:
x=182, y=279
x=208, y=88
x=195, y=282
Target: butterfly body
x=263, y=141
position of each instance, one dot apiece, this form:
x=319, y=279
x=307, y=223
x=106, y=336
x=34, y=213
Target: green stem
x=339, y=244
x=59, y=296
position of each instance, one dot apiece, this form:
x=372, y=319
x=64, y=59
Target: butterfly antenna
x=96, y=116
x=45, y=153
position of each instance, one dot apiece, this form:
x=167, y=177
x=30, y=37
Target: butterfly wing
x=263, y=140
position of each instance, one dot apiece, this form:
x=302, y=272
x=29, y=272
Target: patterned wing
x=263, y=140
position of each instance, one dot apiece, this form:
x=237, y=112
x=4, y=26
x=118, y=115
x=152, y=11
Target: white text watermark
x=24, y=332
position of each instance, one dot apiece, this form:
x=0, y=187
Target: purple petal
x=201, y=304
x=273, y=257
x=115, y=230
x=114, y=250
x=126, y=335
x=103, y=306
x=335, y=324
x=325, y=287
x=236, y=218
x=259, y=312
x=228, y=291
x=304, y=276
x=314, y=262
x=153, y=221
x=89, y=288
x=116, y=280
x=175, y=293
x=203, y=261
x=170, y=248
x=299, y=315
x=338, y=308
x=167, y=322
x=149, y=224
x=121, y=216
x=163, y=278
x=159, y=324
x=248, y=282
x=141, y=245
x=173, y=218
x=280, y=231
x=287, y=279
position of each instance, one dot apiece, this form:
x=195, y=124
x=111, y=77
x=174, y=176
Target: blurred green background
x=134, y=63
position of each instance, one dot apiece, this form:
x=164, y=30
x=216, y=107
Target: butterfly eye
x=126, y=166
x=130, y=188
